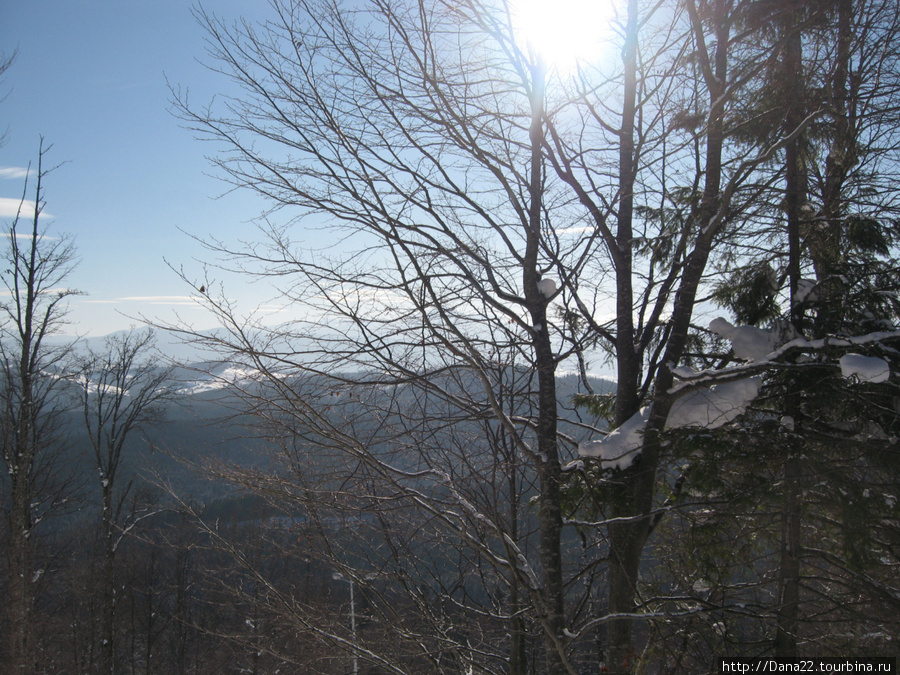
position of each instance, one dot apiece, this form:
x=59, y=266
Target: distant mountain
x=208, y=425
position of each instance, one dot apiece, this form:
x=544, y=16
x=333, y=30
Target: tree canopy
x=456, y=226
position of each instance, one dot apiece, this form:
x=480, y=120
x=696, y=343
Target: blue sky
x=91, y=78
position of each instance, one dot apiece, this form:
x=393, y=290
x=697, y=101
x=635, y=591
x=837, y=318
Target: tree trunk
x=107, y=643
x=21, y=601
x=624, y=540
x=21, y=572
x=789, y=572
x=795, y=195
x=628, y=363
x=632, y=506
x=549, y=472
x=518, y=662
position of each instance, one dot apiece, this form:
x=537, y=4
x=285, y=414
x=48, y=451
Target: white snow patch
x=684, y=372
x=577, y=465
x=865, y=368
x=708, y=408
x=95, y=388
x=230, y=376
x=749, y=342
x=547, y=287
x=805, y=291
x=619, y=448
x=712, y=407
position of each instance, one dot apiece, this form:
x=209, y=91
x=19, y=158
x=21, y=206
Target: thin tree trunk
x=789, y=571
x=627, y=362
x=623, y=538
x=795, y=196
x=549, y=473
x=632, y=506
x=20, y=601
x=109, y=599
x=518, y=662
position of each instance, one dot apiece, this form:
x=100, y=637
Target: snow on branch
x=547, y=287
x=748, y=342
x=865, y=368
x=704, y=408
x=710, y=399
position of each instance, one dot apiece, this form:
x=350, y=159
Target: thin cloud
x=20, y=235
x=10, y=208
x=6, y=293
x=148, y=299
x=13, y=172
x=158, y=298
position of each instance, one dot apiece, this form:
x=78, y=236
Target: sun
x=564, y=32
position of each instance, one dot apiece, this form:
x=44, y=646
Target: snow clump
x=806, y=291
x=619, y=448
x=713, y=407
x=865, y=368
x=547, y=287
x=749, y=342
x=707, y=408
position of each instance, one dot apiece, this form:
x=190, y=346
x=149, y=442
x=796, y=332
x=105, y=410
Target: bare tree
x=37, y=266
x=123, y=390
x=495, y=209
x=439, y=164
x=5, y=63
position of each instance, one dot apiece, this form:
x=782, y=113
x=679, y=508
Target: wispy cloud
x=162, y=299
x=148, y=299
x=6, y=293
x=13, y=172
x=176, y=300
x=10, y=207
x=27, y=237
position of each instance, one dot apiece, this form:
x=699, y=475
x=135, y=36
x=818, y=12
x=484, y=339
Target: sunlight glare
x=564, y=32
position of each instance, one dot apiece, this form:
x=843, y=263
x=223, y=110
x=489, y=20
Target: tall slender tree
x=37, y=267
x=123, y=391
